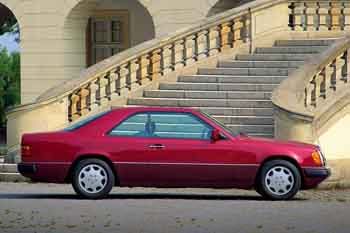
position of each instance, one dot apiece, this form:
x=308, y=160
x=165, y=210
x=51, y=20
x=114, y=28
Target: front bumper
x=26, y=169
x=322, y=172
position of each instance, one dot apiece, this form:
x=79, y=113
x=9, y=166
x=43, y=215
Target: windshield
x=227, y=129
x=85, y=121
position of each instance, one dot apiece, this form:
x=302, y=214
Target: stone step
x=291, y=49
x=12, y=177
x=237, y=111
x=273, y=57
x=245, y=120
x=206, y=94
x=217, y=87
x=247, y=71
x=171, y=102
x=8, y=168
x=252, y=129
x=230, y=79
x=284, y=43
x=260, y=64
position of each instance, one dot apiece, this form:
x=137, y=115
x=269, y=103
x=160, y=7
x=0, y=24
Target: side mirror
x=215, y=135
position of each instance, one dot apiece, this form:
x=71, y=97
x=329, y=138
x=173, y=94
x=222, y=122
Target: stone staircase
x=237, y=92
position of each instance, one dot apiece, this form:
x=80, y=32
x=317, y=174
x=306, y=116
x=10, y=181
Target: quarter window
x=163, y=125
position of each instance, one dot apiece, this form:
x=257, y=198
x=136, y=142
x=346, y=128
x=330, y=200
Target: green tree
x=9, y=82
x=8, y=22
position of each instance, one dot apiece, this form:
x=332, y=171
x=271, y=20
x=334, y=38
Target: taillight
x=317, y=158
x=26, y=151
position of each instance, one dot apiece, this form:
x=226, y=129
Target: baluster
x=202, y=43
x=73, y=111
x=308, y=92
x=113, y=76
x=328, y=73
x=144, y=70
x=84, y=93
x=317, y=88
x=335, y=15
x=237, y=32
x=103, y=93
x=310, y=14
x=299, y=16
x=190, y=45
x=226, y=36
x=339, y=66
x=93, y=97
x=346, y=13
x=122, y=85
x=156, y=64
x=179, y=54
x=167, y=60
x=323, y=12
x=133, y=80
x=214, y=40
x=313, y=92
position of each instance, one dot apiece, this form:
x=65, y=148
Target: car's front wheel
x=279, y=180
x=92, y=178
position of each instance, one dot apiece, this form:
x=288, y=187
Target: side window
x=179, y=125
x=163, y=125
x=133, y=126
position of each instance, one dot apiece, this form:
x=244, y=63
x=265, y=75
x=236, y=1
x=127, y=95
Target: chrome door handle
x=156, y=146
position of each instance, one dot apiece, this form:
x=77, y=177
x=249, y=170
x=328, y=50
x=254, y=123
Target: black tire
x=264, y=186
x=104, y=189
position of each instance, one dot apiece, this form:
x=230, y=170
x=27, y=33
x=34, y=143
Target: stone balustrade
x=319, y=15
x=313, y=94
x=119, y=79
x=328, y=79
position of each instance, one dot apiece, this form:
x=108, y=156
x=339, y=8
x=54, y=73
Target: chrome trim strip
x=195, y=164
x=62, y=163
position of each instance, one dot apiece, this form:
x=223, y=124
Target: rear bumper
x=51, y=172
x=317, y=172
x=26, y=169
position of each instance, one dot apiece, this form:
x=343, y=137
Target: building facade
x=61, y=38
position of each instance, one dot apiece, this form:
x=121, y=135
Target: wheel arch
x=279, y=157
x=81, y=157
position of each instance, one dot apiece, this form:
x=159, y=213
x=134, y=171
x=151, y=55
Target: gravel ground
x=55, y=208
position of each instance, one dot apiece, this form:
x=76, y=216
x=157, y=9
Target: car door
x=161, y=149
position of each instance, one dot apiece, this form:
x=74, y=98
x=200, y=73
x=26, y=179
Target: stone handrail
x=319, y=87
x=120, y=74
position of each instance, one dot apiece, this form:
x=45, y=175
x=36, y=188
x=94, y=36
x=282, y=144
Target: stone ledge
x=13, y=177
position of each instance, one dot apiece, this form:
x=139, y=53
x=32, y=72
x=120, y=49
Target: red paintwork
x=183, y=163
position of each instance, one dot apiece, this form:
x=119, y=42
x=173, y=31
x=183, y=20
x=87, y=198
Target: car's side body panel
x=230, y=162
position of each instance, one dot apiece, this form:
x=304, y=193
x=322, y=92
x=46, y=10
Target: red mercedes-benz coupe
x=168, y=147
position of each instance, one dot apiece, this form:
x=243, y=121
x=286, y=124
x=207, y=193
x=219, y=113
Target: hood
x=276, y=142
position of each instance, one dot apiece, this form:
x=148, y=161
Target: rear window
x=85, y=121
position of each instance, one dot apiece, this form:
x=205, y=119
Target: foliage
x=9, y=82
x=8, y=23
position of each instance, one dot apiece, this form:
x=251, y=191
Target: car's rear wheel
x=92, y=179
x=279, y=180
